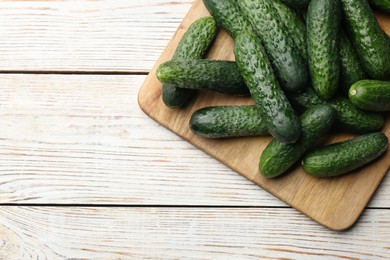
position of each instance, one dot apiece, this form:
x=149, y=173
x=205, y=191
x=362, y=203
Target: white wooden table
x=85, y=174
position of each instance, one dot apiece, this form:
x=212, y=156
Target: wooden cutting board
x=335, y=203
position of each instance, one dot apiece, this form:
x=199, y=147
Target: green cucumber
x=279, y=157
x=300, y=4
x=370, y=42
x=343, y=157
x=372, y=95
x=193, y=45
x=228, y=121
x=255, y=68
x=228, y=16
x=214, y=75
x=383, y=5
x=294, y=24
x=288, y=64
x=323, y=20
x=348, y=117
x=355, y=120
x=351, y=70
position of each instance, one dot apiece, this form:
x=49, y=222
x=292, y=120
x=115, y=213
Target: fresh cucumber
x=255, y=68
x=370, y=42
x=343, y=157
x=289, y=65
x=294, y=24
x=323, y=20
x=372, y=95
x=279, y=157
x=300, y=4
x=348, y=117
x=228, y=121
x=383, y=5
x=351, y=70
x=228, y=16
x=214, y=75
x=355, y=120
x=193, y=45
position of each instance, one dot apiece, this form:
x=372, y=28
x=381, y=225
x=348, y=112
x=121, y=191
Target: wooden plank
x=77, y=139
x=104, y=35
x=84, y=139
x=333, y=202
x=173, y=233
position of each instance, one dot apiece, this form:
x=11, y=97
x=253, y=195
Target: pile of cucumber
x=311, y=66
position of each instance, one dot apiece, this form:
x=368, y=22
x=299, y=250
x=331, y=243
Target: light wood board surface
x=333, y=202
x=108, y=182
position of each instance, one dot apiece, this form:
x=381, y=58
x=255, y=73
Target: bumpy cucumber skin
x=323, y=20
x=214, y=75
x=228, y=121
x=348, y=117
x=304, y=100
x=355, y=120
x=193, y=45
x=370, y=42
x=279, y=157
x=351, y=70
x=289, y=65
x=343, y=157
x=371, y=95
x=258, y=75
x=300, y=4
x=383, y=5
x=294, y=24
x=228, y=16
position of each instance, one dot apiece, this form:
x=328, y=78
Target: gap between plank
x=76, y=72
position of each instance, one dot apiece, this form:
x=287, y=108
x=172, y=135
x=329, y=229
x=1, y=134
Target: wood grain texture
x=102, y=35
x=335, y=202
x=184, y=233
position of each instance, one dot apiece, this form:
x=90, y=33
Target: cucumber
x=228, y=121
x=355, y=120
x=351, y=70
x=294, y=24
x=228, y=16
x=289, y=65
x=348, y=117
x=323, y=20
x=372, y=95
x=214, y=75
x=193, y=45
x=370, y=42
x=300, y=4
x=343, y=157
x=255, y=68
x=279, y=157
x=383, y=5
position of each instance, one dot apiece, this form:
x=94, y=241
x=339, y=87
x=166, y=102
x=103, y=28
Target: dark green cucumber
x=279, y=157
x=343, y=157
x=228, y=16
x=370, y=42
x=287, y=62
x=323, y=20
x=348, y=117
x=228, y=121
x=300, y=4
x=258, y=75
x=351, y=70
x=193, y=45
x=372, y=95
x=355, y=120
x=383, y=5
x=214, y=75
x=294, y=24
